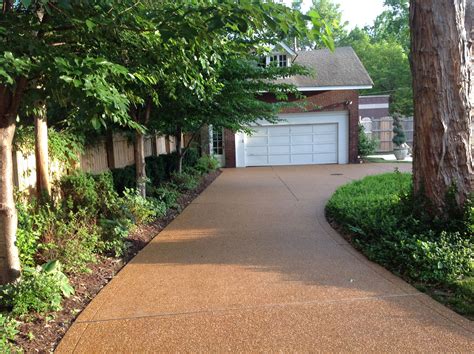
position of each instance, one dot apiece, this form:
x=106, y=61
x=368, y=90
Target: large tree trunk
x=442, y=88
x=9, y=259
x=43, y=186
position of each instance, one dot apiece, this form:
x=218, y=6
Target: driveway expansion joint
x=219, y=311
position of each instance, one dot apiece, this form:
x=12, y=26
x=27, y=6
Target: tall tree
x=28, y=60
x=329, y=11
x=388, y=66
x=441, y=66
x=392, y=24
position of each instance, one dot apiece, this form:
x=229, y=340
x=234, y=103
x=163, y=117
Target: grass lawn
x=436, y=256
x=381, y=160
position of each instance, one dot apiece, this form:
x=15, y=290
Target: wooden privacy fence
x=115, y=152
x=382, y=130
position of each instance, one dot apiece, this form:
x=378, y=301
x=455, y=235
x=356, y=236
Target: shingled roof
x=332, y=70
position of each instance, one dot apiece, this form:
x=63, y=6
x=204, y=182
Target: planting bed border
x=44, y=333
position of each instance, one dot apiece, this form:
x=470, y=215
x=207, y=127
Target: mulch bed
x=43, y=333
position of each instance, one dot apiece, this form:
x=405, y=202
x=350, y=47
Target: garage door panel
x=325, y=128
x=257, y=150
x=257, y=141
x=275, y=131
x=301, y=129
x=324, y=158
x=257, y=160
x=301, y=139
x=295, y=149
x=302, y=159
x=325, y=139
x=279, y=159
x=279, y=140
x=278, y=150
x=324, y=148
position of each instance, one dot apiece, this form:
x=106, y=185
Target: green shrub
x=39, y=290
x=366, y=146
x=191, y=157
x=185, y=181
x=124, y=178
x=79, y=192
x=168, y=194
x=142, y=210
x=206, y=164
x=73, y=238
x=378, y=211
x=171, y=162
x=32, y=222
x=156, y=169
x=8, y=332
x=114, y=233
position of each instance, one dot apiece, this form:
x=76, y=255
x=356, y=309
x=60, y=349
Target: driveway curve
x=252, y=265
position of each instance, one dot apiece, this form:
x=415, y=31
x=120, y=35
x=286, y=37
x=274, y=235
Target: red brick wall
x=314, y=101
x=229, y=148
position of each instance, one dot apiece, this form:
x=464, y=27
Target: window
x=217, y=142
x=280, y=60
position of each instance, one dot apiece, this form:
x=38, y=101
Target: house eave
x=333, y=88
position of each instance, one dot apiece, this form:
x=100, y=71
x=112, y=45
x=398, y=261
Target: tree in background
x=384, y=50
x=388, y=65
x=331, y=13
x=442, y=84
x=392, y=24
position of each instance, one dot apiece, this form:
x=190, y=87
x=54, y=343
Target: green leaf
x=26, y=3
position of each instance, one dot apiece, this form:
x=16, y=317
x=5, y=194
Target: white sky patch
x=356, y=12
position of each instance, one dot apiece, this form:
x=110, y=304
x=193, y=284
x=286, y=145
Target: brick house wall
x=366, y=101
x=313, y=101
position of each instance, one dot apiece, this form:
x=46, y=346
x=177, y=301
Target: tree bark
x=43, y=186
x=441, y=63
x=140, y=163
x=140, y=151
x=9, y=260
x=179, y=149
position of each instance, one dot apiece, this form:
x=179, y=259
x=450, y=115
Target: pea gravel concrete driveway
x=252, y=265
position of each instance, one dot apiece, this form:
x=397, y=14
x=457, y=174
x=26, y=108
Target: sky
x=356, y=12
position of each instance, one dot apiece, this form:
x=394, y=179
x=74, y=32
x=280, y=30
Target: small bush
x=206, y=164
x=32, y=221
x=79, y=191
x=8, y=332
x=40, y=290
x=114, y=233
x=72, y=238
x=185, y=181
x=191, y=157
x=141, y=209
x=366, y=146
x=124, y=178
x=168, y=194
x=155, y=167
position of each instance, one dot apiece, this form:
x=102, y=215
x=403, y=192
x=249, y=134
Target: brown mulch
x=43, y=333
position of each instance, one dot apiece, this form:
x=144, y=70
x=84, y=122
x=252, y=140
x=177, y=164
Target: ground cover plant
x=88, y=217
x=390, y=228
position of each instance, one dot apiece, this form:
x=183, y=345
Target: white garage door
x=292, y=145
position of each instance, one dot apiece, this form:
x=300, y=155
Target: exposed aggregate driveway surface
x=252, y=265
